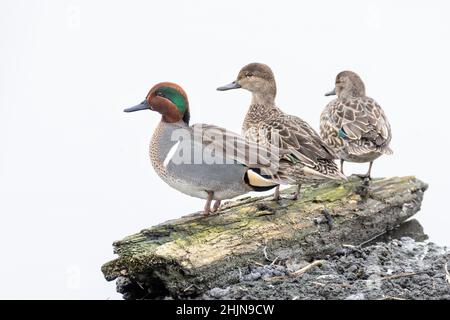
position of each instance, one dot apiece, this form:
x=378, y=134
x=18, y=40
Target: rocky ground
x=399, y=269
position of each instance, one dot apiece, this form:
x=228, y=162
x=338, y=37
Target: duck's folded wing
x=233, y=147
x=363, y=121
x=298, y=139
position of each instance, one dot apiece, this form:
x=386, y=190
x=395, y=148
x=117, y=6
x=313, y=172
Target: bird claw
x=294, y=196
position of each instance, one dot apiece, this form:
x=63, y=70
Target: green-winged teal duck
x=305, y=157
x=354, y=125
x=177, y=152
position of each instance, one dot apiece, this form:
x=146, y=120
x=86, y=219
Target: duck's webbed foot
x=216, y=205
x=276, y=194
x=207, y=211
x=296, y=194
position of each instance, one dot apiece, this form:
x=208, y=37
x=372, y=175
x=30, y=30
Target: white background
x=74, y=169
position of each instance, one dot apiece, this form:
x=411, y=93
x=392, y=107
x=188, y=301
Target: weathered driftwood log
x=187, y=256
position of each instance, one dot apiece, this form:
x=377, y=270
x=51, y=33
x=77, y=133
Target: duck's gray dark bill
x=331, y=93
x=233, y=85
x=141, y=106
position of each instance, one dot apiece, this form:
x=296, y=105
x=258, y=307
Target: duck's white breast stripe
x=170, y=154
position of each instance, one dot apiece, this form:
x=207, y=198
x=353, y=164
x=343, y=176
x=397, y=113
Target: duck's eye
x=249, y=75
x=160, y=94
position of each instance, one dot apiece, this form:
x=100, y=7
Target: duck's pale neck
x=266, y=97
x=263, y=104
x=164, y=138
x=263, y=99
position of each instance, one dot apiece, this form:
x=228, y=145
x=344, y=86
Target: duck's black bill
x=141, y=106
x=331, y=93
x=233, y=85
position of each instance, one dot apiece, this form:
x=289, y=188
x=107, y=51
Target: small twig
x=140, y=285
x=371, y=239
x=265, y=254
x=188, y=288
x=241, y=288
x=318, y=283
x=350, y=246
x=258, y=263
x=240, y=273
x=275, y=278
x=391, y=298
x=447, y=274
x=399, y=275
x=273, y=262
x=308, y=267
x=143, y=298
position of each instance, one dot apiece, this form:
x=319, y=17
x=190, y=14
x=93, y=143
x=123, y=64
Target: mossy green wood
x=189, y=255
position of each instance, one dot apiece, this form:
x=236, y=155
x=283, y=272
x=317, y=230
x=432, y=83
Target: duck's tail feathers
x=387, y=151
x=258, y=181
x=280, y=176
x=331, y=170
x=338, y=175
x=333, y=175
